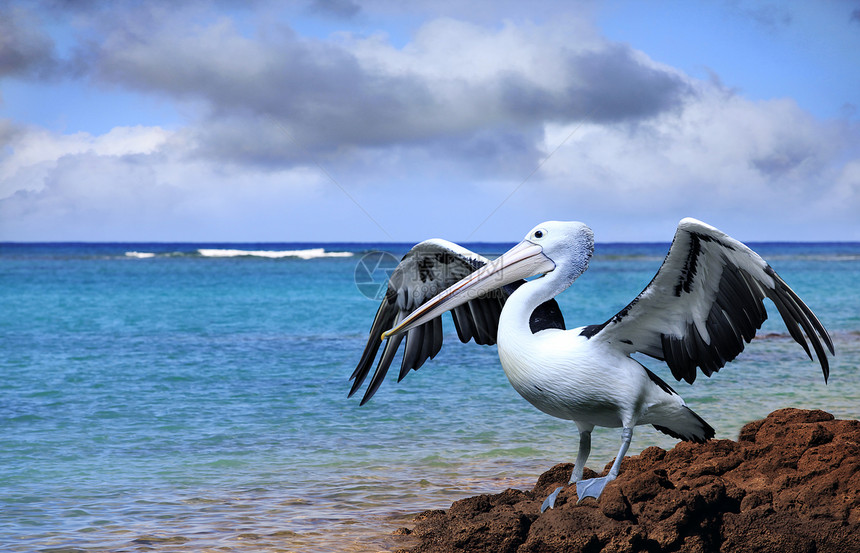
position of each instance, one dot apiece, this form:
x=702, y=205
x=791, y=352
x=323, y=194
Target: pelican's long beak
x=524, y=260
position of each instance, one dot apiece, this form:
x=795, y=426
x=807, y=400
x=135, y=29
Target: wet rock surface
x=791, y=483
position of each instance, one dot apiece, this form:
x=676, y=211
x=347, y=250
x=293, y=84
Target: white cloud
x=36, y=152
x=846, y=190
x=428, y=137
x=454, y=79
x=142, y=184
x=721, y=157
x=715, y=142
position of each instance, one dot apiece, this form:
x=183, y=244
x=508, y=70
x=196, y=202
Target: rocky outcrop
x=791, y=483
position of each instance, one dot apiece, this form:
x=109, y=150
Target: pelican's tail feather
x=688, y=426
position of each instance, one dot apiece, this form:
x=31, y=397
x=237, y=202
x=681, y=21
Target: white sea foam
x=140, y=255
x=310, y=253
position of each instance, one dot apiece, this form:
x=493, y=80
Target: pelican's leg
x=582, y=457
x=578, y=467
x=594, y=487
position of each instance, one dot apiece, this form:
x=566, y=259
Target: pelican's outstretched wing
x=427, y=269
x=704, y=302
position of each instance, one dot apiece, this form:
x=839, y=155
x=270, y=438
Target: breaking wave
x=310, y=253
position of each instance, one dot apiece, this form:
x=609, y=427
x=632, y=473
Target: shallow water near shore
x=162, y=396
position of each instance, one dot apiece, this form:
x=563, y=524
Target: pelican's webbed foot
x=592, y=487
x=549, y=502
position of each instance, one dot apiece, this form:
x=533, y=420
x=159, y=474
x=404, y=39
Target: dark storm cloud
x=25, y=51
x=8, y=132
x=501, y=152
x=614, y=86
x=63, y=7
x=324, y=95
x=778, y=164
x=327, y=97
x=770, y=17
x=606, y=87
x=312, y=86
x=784, y=159
x=340, y=9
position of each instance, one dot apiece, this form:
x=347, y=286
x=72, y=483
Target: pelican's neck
x=515, y=317
x=571, y=260
x=521, y=351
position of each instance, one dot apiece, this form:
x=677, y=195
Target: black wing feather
x=705, y=303
x=427, y=269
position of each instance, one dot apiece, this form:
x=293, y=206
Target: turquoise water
x=155, y=397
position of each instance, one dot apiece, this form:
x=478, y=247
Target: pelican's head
x=564, y=246
x=568, y=244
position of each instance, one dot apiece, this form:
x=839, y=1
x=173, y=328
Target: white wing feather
x=705, y=302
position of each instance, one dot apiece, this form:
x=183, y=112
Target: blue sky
x=344, y=120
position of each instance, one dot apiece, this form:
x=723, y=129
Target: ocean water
x=192, y=397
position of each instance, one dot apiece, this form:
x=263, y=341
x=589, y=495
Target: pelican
x=702, y=305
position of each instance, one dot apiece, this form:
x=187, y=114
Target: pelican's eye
x=540, y=233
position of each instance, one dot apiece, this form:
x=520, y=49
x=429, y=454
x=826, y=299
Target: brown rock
x=791, y=483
